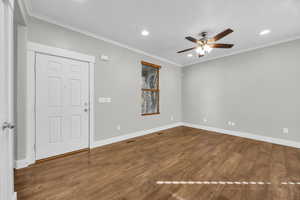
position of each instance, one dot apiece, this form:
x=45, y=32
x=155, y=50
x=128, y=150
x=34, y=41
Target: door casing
x=33, y=49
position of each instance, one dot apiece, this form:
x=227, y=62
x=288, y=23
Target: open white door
x=6, y=100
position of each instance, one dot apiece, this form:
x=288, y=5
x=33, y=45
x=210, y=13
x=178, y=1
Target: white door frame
x=7, y=69
x=32, y=50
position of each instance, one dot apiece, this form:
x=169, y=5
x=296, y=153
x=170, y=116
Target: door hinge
x=7, y=125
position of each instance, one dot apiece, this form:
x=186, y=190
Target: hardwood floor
x=129, y=170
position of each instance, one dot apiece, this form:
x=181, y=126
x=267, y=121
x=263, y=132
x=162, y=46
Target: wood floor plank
x=278, y=174
x=130, y=170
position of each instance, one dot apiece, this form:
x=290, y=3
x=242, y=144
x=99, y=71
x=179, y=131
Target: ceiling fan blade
x=189, y=38
x=221, y=35
x=186, y=50
x=227, y=46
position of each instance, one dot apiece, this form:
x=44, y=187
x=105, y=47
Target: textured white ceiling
x=169, y=21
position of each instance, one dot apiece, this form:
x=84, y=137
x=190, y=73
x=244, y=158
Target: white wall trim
x=11, y=3
x=32, y=50
x=28, y=4
x=43, y=18
x=94, y=144
x=92, y=103
x=23, y=10
x=30, y=107
x=40, y=48
x=246, y=135
x=14, y=197
x=133, y=135
x=19, y=164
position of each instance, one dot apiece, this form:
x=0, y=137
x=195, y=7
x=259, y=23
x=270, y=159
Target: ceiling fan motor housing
x=205, y=44
x=203, y=34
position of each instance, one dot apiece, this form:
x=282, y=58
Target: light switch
x=285, y=130
x=104, y=58
x=101, y=100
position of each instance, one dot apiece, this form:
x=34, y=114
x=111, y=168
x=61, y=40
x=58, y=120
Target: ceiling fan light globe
x=207, y=49
x=200, y=51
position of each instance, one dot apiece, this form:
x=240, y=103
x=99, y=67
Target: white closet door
x=62, y=105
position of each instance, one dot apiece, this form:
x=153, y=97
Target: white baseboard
x=133, y=135
x=25, y=162
x=246, y=135
x=14, y=197
x=19, y=164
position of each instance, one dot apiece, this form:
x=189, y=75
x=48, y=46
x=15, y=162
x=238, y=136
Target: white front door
x=62, y=105
x=6, y=101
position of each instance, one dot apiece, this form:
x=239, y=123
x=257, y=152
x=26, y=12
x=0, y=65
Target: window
x=150, y=89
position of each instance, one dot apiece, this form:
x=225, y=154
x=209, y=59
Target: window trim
x=158, y=67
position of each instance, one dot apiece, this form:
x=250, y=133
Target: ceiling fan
x=204, y=45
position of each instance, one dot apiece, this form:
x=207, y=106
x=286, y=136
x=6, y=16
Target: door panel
x=76, y=127
x=55, y=129
x=75, y=92
x=55, y=91
x=62, y=95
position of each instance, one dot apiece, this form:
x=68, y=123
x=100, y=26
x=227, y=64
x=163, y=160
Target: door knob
x=7, y=125
x=86, y=110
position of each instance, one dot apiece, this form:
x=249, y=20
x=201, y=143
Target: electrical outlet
x=285, y=130
x=119, y=127
x=104, y=100
x=230, y=123
x=172, y=118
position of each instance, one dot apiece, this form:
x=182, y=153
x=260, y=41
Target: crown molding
x=23, y=10
x=28, y=6
x=30, y=12
x=245, y=50
x=11, y=4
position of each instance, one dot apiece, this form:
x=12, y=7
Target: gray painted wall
x=258, y=90
x=20, y=95
x=20, y=61
x=120, y=79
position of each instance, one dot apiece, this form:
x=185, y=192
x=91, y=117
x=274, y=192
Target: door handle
x=86, y=110
x=7, y=125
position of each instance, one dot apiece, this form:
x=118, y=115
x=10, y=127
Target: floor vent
x=130, y=141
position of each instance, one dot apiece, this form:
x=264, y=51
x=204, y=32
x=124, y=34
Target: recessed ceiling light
x=145, y=33
x=265, y=32
x=190, y=55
